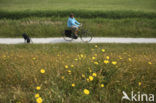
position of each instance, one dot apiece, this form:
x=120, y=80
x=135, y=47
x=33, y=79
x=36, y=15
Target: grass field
x=99, y=5
x=47, y=18
x=61, y=72
x=54, y=27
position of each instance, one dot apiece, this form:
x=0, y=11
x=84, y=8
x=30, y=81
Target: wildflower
x=90, y=70
x=66, y=66
x=96, y=46
x=34, y=58
x=38, y=88
x=37, y=95
x=95, y=55
x=150, y=63
x=107, y=57
x=62, y=77
x=103, y=50
x=39, y=100
x=83, y=75
x=69, y=71
x=102, y=85
x=42, y=71
x=86, y=91
x=130, y=59
x=93, y=58
x=4, y=56
x=87, y=79
x=91, y=78
x=114, y=62
x=81, y=56
x=106, y=61
x=94, y=74
x=139, y=83
x=96, y=63
x=76, y=59
x=71, y=66
x=73, y=85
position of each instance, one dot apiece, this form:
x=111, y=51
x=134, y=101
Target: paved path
x=94, y=40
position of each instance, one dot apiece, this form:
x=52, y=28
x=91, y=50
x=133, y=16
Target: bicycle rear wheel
x=86, y=36
x=67, y=37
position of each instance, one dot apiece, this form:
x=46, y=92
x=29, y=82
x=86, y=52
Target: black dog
x=26, y=37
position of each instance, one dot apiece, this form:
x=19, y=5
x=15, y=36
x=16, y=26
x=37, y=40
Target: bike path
x=94, y=40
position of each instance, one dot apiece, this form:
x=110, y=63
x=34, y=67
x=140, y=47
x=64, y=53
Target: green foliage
x=78, y=13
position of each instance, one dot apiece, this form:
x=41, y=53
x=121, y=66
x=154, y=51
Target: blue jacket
x=72, y=22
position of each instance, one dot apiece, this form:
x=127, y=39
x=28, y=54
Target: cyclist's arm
x=77, y=22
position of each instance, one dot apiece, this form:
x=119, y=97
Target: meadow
x=100, y=27
x=47, y=18
x=75, y=73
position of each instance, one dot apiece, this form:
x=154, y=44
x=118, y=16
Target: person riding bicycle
x=73, y=24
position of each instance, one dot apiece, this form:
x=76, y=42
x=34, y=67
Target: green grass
x=82, y=8
x=20, y=67
x=99, y=5
x=106, y=18
x=53, y=27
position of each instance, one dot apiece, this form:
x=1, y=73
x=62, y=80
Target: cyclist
x=73, y=24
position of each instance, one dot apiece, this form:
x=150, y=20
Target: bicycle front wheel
x=86, y=36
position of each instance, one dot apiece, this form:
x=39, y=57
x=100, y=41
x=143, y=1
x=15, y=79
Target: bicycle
x=84, y=34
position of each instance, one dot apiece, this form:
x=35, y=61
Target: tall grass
x=21, y=64
x=54, y=27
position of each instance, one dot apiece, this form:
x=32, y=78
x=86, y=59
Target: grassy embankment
x=104, y=70
x=118, y=18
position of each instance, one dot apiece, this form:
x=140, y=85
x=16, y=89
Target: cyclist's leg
x=75, y=30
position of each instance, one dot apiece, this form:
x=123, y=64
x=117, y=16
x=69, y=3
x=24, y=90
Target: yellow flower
x=86, y=91
x=139, y=83
x=106, y=61
x=66, y=66
x=62, y=77
x=91, y=78
x=94, y=74
x=76, y=59
x=90, y=70
x=71, y=66
x=93, y=58
x=69, y=71
x=102, y=85
x=130, y=59
x=107, y=57
x=81, y=56
x=114, y=62
x=83, y=75
x=96, y=63
x=38, y=88
x=73, y=85
x=95, y=55
x=34, y=58
x=103, y=50
x=42, y=71
x=150, y=63
x=87, y=79
x=39, y=100
x=37, y=95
